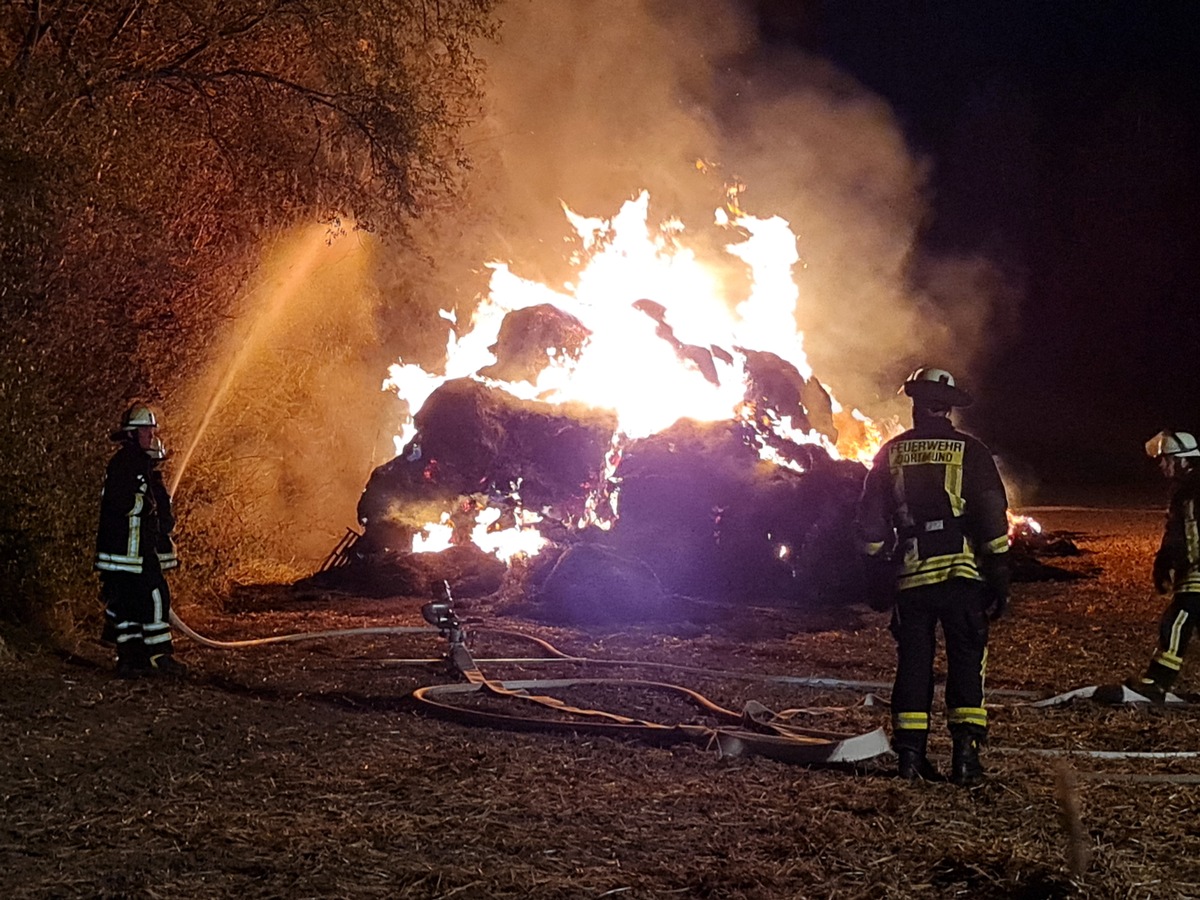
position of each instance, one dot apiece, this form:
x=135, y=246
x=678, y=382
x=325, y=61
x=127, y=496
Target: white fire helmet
x=935, y=386
x=138, y=416
x=1172, y=443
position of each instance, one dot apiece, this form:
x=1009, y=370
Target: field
x=305, y=770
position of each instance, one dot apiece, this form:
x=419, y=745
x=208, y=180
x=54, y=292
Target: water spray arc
x=312, y=249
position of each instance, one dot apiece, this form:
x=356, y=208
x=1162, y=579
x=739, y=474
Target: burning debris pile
x=1031, y=546
x=488, y=475
x=624, y=525
x=634, y=437
x=713, y=519
x=700, y=512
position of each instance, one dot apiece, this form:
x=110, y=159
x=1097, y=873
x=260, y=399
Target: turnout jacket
x=934, y=504
x=136, y=518
x=1177, y=563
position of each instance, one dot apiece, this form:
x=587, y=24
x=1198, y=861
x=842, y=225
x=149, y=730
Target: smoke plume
x=593, y=100
x=588, y=103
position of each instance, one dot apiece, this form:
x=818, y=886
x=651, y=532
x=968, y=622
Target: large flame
x=627, y=367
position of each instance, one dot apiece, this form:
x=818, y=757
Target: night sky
x=1065, y=146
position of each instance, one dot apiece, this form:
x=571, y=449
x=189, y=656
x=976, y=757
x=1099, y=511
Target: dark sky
x=1065, y=144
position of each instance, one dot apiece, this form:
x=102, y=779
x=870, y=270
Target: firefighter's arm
x=992, y=507
x=165, y=544
x=988, y=517
x=877, y=541
x=1164, y=571
x=162, y=502
x=996, y=578
x=1171, y=549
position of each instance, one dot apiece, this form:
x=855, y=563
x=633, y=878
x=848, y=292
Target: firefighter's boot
x=1148, y=687
x=965, y=768
x=1157, y=681
x=164, y=665
x=132, y=659
x=914, y=764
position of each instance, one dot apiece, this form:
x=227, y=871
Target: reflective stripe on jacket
x=136, y=519
x=1181, y=538
x=934, y=503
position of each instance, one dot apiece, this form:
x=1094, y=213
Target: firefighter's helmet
x=1172, y=443
x=139, y=415
x=935, y=387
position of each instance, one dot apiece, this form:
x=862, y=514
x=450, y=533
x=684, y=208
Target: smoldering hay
x=729, y=509
x=670, y=527
x=635, y=433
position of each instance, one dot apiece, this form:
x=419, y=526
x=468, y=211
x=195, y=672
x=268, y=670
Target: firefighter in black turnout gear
x=933, y=519
x=1177, y=564
x=134, y=548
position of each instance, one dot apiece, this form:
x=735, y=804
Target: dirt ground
x=305, y=769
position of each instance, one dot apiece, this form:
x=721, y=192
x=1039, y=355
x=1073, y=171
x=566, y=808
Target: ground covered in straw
x=304, y=769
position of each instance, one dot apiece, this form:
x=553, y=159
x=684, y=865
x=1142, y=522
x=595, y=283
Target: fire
x=505, y=543
x=1018, y=524
x=860, y=437
x=665, y=343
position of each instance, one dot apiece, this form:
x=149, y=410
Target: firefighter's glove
x=880, y=584
x=997, y=607
x=1164, y=572
x=996, y=579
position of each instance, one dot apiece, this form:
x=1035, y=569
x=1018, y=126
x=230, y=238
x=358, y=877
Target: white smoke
x=590, y=101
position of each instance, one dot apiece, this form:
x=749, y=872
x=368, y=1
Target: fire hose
x=754, y=731
x=302, y=636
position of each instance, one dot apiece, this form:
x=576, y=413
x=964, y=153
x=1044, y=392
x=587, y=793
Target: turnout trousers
x=137, y=615
x=1174, y=632
x=958, y=605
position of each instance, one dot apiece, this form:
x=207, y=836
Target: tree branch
x=33, y=34
x=170, y=73
x=320, y=98
x=125, y=20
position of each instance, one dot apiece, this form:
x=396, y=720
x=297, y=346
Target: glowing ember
x=665, y=342
x=504, y=543
x=435, y=536
x=1018, y=524
x=507, y=542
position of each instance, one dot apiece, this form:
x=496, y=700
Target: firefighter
x=933, y=519
x=1176, y=568
x=134, y=548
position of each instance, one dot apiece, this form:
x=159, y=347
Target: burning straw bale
x=699, y=510
x=478, y=440
x=774, y=383
x=711, y=518
x=471, y=571
x=699, y=507
x=526, y=335
x=591, y=584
